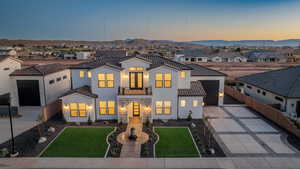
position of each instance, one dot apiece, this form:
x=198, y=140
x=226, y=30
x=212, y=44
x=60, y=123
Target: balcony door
x=136, y=80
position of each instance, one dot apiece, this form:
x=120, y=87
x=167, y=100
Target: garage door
x=211, y=88
x=29, y=92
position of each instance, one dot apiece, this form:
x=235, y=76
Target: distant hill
x=289, y=42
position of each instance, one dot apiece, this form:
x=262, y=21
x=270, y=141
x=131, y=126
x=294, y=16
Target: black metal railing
x=130, y=91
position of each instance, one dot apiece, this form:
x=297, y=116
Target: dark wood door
x=136, y=108
x=136, y=80
x=211, y=88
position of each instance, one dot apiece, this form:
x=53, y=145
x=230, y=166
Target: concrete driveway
x=21, y=124
x=242, y=132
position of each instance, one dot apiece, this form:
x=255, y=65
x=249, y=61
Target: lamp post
x=13, y=152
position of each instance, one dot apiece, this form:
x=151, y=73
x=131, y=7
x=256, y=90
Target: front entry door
x=136, y=108
x=136, y=80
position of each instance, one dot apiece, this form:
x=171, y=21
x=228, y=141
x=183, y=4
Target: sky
x=180, y=20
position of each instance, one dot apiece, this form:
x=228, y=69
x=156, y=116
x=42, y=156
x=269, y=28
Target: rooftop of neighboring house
x=264, y=54
x=199, y=70
x=284, y=82
x=39, y=70
x=227, y=54
x=111, y=53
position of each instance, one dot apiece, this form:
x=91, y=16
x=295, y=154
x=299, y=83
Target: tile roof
x=199, y=70
x=195, y=90
x=84, y=90
x=284, y=82
x=39, y=70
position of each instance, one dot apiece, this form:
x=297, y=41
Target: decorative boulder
x=42, y=140
x=4, y=152
x=164, y=121
x=212, y=151
x=105, y=122
x=193, y=125
x=51, y=129
x=77, y=123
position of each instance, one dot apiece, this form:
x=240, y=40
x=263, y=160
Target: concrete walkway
x=132, y=148
x=207, y=163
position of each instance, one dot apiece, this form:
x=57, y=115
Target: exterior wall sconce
x=125, y=76
x=122, y=109
x=66, y=107
x=147, y=109
x=221, y=94
x=203, y=104
x=146, y=76
x=89, y=107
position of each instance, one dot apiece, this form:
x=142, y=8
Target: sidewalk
x=213, y=163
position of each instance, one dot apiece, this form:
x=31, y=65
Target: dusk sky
x=180, y=20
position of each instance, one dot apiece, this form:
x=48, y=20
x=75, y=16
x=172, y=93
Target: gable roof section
x=195, y=90
x=111, y=62
x=84, y=90
x=284, y=82
x=2, y=58
x=199, y=70
x=158, y=61
x=39, y=70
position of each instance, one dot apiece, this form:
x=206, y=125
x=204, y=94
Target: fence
x=51, y=109
x=267, y=111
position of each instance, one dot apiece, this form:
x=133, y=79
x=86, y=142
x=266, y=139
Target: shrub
x=189, y=118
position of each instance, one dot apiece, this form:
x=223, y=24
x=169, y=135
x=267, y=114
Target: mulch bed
x=201, y=134
x=27, y=142
x=147, y=149
x=115, y=147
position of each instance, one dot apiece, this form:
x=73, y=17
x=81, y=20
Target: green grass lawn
x=175, y=142
x=79, y=142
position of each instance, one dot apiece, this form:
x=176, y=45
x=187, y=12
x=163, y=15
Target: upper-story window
x=182, y=74
x=51, y=81
x=89, y=74
x=7, y=68
x=65, y=76
x=136, y=68
x=105, y=80
x=81, y=74
x=163, y=80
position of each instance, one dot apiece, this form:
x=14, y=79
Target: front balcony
x=129, y=91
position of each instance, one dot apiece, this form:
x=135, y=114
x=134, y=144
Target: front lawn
x=175, y=142
x=79, y=142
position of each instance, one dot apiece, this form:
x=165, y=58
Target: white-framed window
x=81, y=73
x=182, y=103
x=78, y=110
x=107, y=107
x=182, y=74
x=105, y=80
x=163, y=107
x=89, y=74
x=195, y=103
x=163, y=80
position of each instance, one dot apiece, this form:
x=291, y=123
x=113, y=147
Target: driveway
x=243, y=132
x=21, y=124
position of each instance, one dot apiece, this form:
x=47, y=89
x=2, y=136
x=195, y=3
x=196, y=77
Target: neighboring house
x=7, y=66
x=296, y=54
x=69, y=56
x=147, y=87
x=280, y=88
x=231, y=57
x=83, y=55
x=191, y=55
x=8, y=52
x=263, y=56
x=39, y=85
x=111, y=53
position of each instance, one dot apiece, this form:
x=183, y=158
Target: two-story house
x=148, y=87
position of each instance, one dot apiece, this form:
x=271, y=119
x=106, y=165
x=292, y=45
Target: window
x=249, y=87
x=51, y=81
x=58, y=79
x=106, y=80
x=182, y=103
x=65, y=76
x=159, y=80
x=182, y=74
x=186, y=59
x=107, y=107
x=163, y=80
x=163, y=107
x=136, y=68
x=7, y=68
x=81, y=74
x=195, y=103
x=78, y=110
x=258, y=91
x=199, y=59
x=264, y=93
x=279, y=98
x=89, y=74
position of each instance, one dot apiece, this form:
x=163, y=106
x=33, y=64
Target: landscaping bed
x=115, y=146
x=147, y=149
x=79, y=142
x=201, y=134
x=27, y=144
